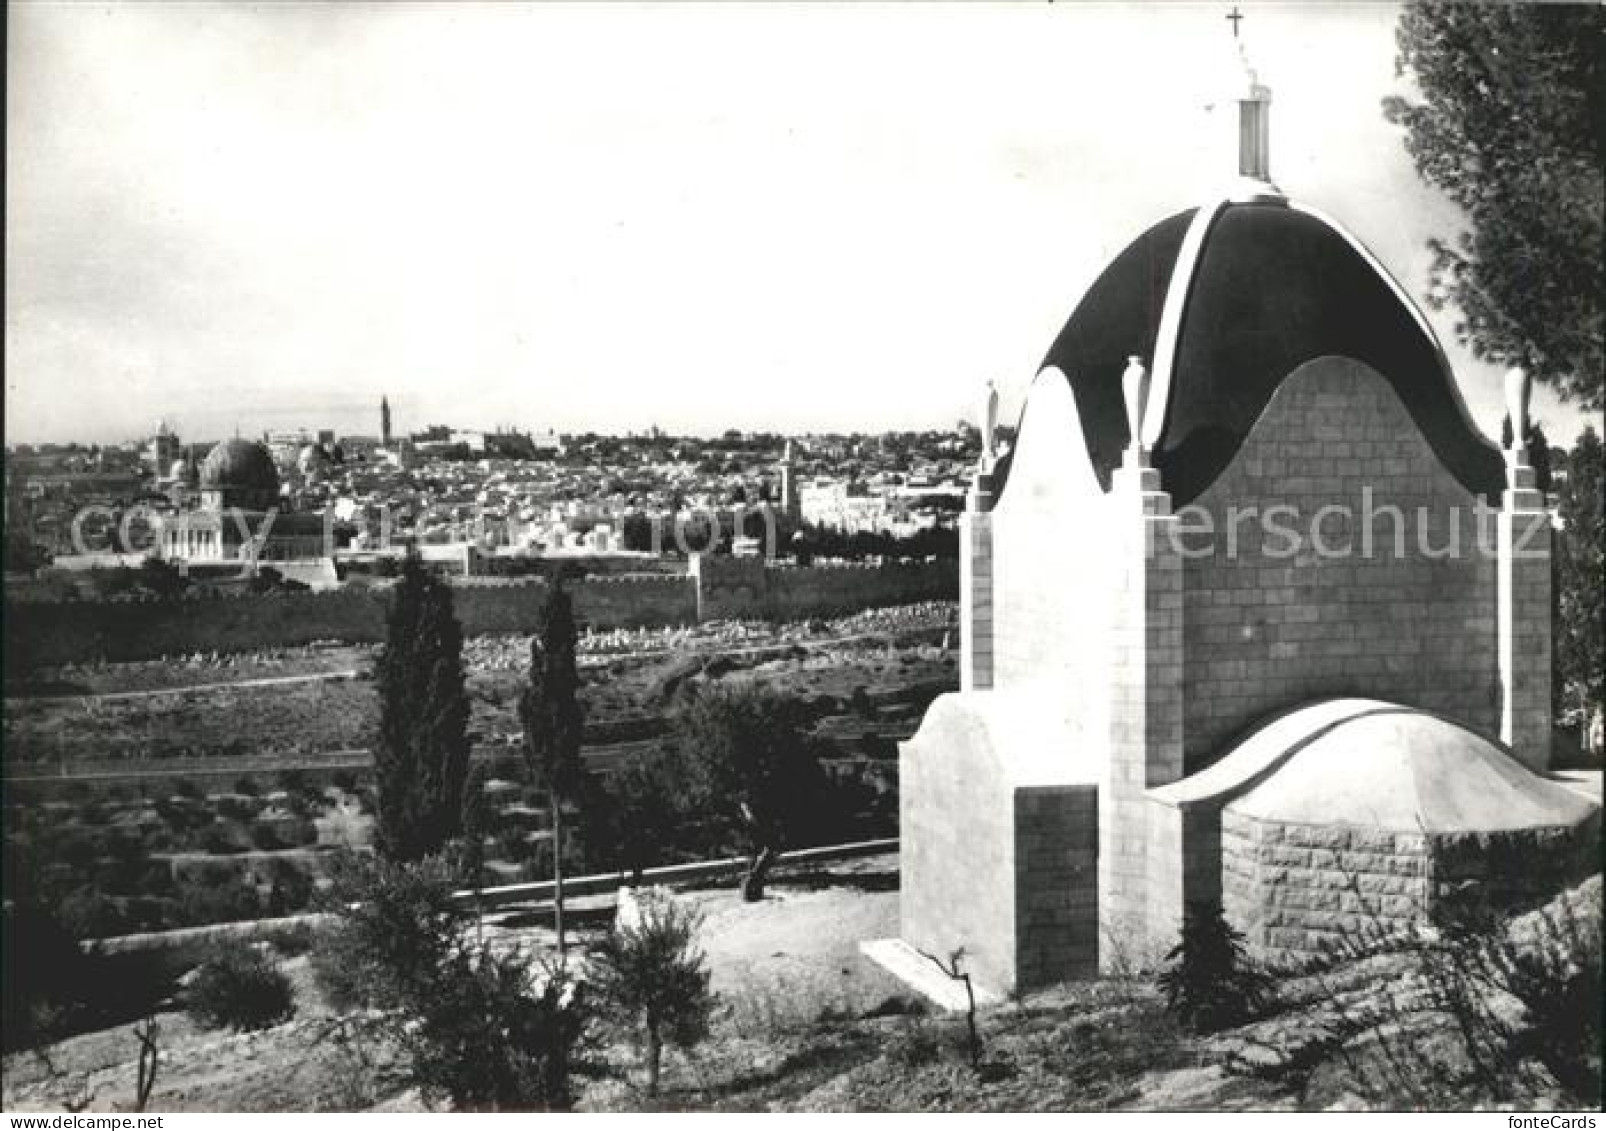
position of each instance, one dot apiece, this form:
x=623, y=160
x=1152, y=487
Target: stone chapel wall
x=1050, y=578
x=956, y=807
x=1264, y=631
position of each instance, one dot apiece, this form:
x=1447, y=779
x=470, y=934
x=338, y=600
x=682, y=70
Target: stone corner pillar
x=1523, y=546
x=976, y=586
x=1145, y=739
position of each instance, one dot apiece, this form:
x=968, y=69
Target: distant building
x=162, y=450
x=838, y=505
x=547, y=442
x=238, y=517
x=791, y=508
x=360, y=448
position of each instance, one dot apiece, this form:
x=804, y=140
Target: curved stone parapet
x=1354, y=816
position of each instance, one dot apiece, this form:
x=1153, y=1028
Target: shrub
x=236, y=808
x=653, y=978
x=1209, y=981
x=1505, y=1011
x=89, y=913
x=915, y=1043
x=78, y=849
x=633, y=815
x=246, y=786
x=183, y=815
x=291, y=892
x=239, y=988
x=476, y=1026
x=43, y=971
x=293, y=782
x=512, y=844
x=1557, y=976
x=295, y=940
x=154, y=878
x=220, y=900
x=225, y=838
x=394, y=925
x=488, y=1038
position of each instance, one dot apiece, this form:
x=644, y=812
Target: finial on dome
x=1134, y=390
x=1254, y=114
x=1519, y=387
x=989, y=427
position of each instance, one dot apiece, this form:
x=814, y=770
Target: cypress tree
x=553, y=722
x=422, y=759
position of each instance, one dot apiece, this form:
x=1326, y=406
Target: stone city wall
x=44, y=633
x=823, y=591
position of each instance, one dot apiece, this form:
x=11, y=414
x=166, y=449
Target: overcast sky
x=607, y=217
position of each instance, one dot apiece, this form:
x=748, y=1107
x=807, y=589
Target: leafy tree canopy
x=1508, y=126
x=1580, y=566
x=752, y=767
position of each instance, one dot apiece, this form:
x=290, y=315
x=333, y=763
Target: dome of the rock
x=1223, y=302
x=241, y=474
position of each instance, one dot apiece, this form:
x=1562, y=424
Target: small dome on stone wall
x=1387, y=818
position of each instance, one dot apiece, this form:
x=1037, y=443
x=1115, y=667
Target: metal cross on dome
x=1235, y=17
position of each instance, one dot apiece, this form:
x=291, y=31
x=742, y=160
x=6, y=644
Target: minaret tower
x=384, y=422
x=789, y=500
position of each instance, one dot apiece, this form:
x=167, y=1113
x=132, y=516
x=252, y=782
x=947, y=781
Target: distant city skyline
x=609, y=217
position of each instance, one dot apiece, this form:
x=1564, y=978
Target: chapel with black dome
x=1187, y=570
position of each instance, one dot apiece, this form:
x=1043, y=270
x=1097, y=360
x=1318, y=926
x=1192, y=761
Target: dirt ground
x=778, y=964
x=806, y=1024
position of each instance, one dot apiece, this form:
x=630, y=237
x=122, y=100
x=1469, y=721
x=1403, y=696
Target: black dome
x=1272, y=287
x=1119, y=316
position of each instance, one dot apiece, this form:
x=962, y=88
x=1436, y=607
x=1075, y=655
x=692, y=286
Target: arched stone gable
x=1049, y=627
x=1264, y=629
